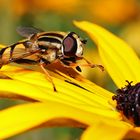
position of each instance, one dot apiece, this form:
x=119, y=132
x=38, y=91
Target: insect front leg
x=42, y=64
x=71, y=62
x=92, y=65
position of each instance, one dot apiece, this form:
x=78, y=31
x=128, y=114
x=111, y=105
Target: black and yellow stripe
x=44, y=40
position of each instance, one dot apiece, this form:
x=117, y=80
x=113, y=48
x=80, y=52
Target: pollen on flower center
x=128, y=102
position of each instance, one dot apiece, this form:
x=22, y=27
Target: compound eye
x=70, y=45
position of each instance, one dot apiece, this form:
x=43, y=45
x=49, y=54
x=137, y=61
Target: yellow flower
x=21, y=7
x=110, y=11
x=78, y=102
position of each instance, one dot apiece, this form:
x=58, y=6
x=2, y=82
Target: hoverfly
x=46, y=47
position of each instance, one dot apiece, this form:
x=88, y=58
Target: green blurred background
x=121, y=17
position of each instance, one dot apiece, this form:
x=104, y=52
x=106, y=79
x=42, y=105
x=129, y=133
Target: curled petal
x=119, y=59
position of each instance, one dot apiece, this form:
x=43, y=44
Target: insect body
x=45, y=48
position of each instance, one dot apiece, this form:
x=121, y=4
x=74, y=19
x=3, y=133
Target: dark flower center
x=128, y=101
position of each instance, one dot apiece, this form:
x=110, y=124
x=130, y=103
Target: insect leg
x=92, y=65
x=89, y=64
x=42, y=64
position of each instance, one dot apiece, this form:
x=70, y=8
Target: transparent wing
x=28, y=31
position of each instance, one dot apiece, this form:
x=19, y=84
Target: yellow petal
x=133, y=134
x=106, y=132
x=20, y=118
x=90, y=95
x=119, y=59
x=34, y=85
